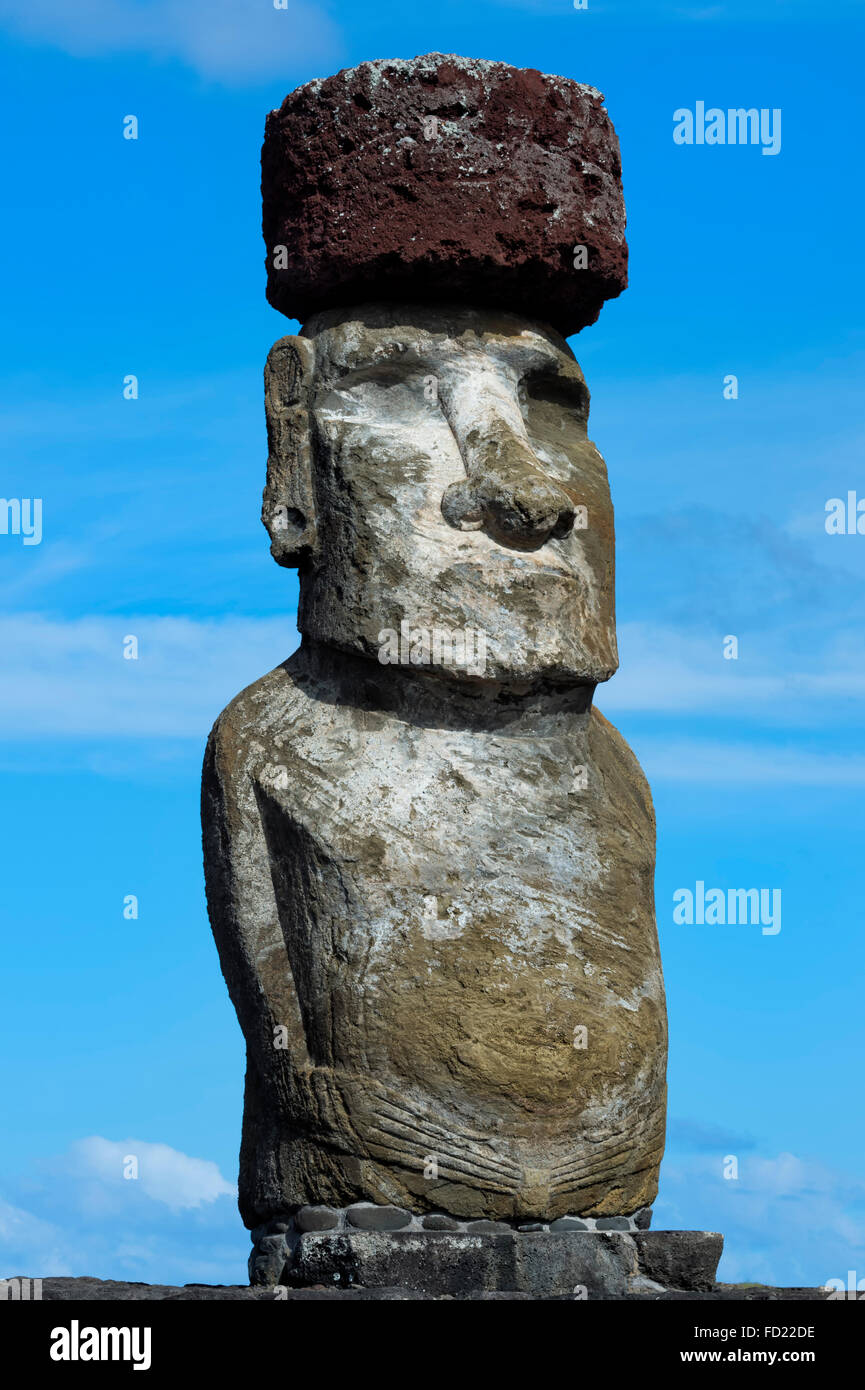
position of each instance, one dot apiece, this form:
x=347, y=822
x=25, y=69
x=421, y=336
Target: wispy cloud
x=25, y=1238
x=76, y=1214
x=729, y=11
x=71, y=680
x=227, y=40
x=657, y=11
x=717, y=763
x=786, y=1220
x=777, y=673
x=164, y=1174
x=702, y=1137
x=749, y=721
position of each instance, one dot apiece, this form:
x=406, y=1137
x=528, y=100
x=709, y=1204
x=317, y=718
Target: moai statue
x=429, y=858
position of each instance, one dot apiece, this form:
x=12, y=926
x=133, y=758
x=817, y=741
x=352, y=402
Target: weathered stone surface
x=612, y=1223
x=568, y=1223
x=682, y=1259
x=268, y=1259
x=363, y=467
x=372, y=1218
x=63, y=1290
x=444, y=179
x=541, y=1265
x=431, y=886
x=643, y=1218
x=317, y=1219
x=744, y=1293
x=439, y=1222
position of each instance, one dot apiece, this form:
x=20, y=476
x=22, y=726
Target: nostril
x=526, y=525
x=567, y=515
x=527, y=513
x=539, y=508
x=461, y=508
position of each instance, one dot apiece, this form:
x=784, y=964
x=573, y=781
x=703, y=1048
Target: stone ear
x=288, y=503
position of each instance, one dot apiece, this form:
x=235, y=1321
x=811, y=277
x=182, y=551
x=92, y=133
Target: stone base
x=540, y=1264
x=88, y=1290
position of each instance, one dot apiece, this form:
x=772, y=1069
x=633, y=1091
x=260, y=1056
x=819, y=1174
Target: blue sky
x=145, y=257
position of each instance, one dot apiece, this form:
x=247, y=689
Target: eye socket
x=557, y=390
x=397, y=369
x=390, y=388
x=384, y=374
x=372, y=397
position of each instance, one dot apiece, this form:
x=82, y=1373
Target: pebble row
x=367, y=1216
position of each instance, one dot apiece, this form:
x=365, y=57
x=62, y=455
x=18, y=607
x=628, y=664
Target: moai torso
x=429, y=858
x=458, y=942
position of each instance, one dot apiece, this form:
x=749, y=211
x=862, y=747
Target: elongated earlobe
x=288, y=504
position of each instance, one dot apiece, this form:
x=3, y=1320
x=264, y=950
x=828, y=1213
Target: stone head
x=430, y=471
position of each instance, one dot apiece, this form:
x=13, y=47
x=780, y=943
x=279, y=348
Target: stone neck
x=539, y=709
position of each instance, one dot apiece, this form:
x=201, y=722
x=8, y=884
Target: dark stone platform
x=435, y=1263
x=86, y=1290
x=543, y=1264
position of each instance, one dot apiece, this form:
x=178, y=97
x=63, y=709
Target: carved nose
x=505, y=493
